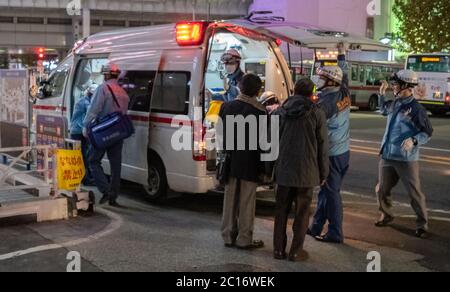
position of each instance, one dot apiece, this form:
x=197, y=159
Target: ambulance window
x=58, y=78
x=88, y=73
x=139, y=86
x=171, y=92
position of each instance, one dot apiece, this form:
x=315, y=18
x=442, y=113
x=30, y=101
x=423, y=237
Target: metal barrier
x=11, y=175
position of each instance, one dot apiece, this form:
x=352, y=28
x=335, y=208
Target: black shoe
x=114, y=204
x=255, y=245
x=279, y=255
x=327, y=239
x=300, y=256
x=421, y=233
x=309, y=233
x=385, y=220
x=229, y=245
x=104, y=200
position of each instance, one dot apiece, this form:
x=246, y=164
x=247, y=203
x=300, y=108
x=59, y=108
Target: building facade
x=54, y=25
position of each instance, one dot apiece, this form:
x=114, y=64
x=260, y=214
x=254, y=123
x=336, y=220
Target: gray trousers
x=390, y=173
x=239, y=212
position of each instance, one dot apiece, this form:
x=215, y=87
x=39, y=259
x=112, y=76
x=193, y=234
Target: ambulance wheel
x=373, y=103
x=156, y=189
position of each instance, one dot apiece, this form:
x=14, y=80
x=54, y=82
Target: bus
x=433, y=91
x=364, y=78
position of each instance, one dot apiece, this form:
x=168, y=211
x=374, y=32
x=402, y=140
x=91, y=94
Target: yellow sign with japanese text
x=70, y=169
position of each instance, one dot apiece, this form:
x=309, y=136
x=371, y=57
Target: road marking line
x=379, y=143
x=378, y=154
x=116, y=223
x=431, y=218
x=351, y=194
x=425, y=156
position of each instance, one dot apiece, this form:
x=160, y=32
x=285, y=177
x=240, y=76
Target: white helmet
x=231, y=56
x=111, y=69
x=91, y=89
x=333, y=73
x=268, y=98
x=406, y=77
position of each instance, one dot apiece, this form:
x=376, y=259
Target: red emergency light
x=190, y=33
x=447, y=98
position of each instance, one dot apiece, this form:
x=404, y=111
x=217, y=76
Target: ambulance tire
x=157, y=187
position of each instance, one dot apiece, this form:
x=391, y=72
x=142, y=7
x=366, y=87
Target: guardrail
x=10, y=174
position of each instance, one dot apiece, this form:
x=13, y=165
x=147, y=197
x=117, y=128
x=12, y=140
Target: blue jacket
x=233, y=90
x=336, y=103
x=103, y=103
x=79, y=113
x=406, y=119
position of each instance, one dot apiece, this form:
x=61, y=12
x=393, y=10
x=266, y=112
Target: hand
x=323, y=183
x=384, y=87
x=85, y=133
x=408, y=145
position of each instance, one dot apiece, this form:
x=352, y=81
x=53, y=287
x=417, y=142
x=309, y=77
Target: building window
x=30, y=20
x=370, y=31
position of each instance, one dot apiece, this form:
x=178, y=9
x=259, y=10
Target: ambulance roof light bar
x=190, y=33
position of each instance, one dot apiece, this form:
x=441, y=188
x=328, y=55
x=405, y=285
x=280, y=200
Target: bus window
x=355, y=72
x=377, y=76
x=432, y=64
x=369, y=75
x=362, y=74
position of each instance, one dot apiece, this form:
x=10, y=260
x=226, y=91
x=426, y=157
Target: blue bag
x=108, y=131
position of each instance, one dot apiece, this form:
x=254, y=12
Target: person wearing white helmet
x=232, y=61
x=76, y=129
x=334, y=100
x=109, y=98
x=408, y=128
x=270, y=100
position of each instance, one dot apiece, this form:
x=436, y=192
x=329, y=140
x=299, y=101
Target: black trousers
x=286, y=196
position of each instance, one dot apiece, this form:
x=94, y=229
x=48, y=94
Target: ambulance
x=168, y=71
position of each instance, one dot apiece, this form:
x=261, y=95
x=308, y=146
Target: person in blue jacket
x=232, y=61
x=334, y=99
x=408, y=128
x=76, y=129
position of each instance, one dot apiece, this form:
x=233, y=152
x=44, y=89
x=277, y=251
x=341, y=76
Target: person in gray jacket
x=302, y=165
x=103, y=104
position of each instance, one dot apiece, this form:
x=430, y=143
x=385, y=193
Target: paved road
x=183, y=233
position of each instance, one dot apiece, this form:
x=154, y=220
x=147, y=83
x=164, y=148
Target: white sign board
x=14, y=101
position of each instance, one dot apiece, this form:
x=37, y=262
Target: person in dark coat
x=245, y=164
x=302, y=165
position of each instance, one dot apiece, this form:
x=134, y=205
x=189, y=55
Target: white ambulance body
x=167, y=71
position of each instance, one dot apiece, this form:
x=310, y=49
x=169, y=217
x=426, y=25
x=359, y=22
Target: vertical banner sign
x=50, y=130
x=70, y=169
x=14, y=108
